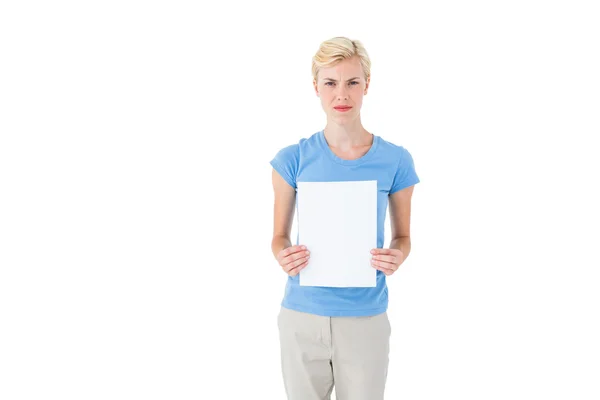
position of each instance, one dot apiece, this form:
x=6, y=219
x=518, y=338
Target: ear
x=367, y=85
x=316, y=87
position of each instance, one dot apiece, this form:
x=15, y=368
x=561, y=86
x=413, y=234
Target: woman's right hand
x=292, y=259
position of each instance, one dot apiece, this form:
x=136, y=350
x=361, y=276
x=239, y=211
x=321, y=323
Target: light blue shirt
x=311, y=160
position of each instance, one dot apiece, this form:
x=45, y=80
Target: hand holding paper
x=387, y=260
x=292, y=259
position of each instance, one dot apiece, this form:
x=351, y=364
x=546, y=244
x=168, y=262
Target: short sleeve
x=285, y=163
x=405, y=172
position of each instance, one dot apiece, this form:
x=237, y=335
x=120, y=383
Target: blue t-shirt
x=311, y=160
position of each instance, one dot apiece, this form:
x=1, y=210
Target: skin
x=342, y=84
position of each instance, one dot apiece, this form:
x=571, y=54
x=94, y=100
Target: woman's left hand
x=387, y=260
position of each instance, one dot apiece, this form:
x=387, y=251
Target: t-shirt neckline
x=335, y=158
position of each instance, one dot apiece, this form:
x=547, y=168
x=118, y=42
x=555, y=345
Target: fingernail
x=303, y=247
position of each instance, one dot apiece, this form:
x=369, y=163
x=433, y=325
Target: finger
x=294, y=264
x=386, y=271
x=290, y=250
x=296, y=270
x=295, y=256
x=390, y=259
x=385, y=265
x=382, y=251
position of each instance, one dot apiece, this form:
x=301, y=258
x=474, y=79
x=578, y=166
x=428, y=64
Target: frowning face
x=341, y=89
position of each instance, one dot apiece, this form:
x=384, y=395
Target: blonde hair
x=334, y=50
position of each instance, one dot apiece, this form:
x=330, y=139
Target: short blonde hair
x=339, y=48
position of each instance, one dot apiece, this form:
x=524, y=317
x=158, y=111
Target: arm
x=389, y=260
x=400, y=204
x=284, y=203
x=294, y=258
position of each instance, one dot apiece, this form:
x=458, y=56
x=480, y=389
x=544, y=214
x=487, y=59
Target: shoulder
x=405, y=174
x=288, y=151
x=394, y=150
x=287, y=160
x=293, y=151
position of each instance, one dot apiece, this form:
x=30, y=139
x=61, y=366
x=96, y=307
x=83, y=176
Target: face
x=342, y=85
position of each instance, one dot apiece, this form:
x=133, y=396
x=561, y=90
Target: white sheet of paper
x=337, y=222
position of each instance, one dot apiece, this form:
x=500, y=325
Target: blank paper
x=337, y=222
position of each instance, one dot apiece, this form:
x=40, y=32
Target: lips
x=343, y=108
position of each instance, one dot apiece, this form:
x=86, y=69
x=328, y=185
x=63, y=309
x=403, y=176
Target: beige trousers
x=318, y=352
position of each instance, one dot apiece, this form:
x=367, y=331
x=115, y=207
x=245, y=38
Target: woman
x=330, y=334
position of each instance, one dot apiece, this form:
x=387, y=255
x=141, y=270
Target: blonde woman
x=331, y=335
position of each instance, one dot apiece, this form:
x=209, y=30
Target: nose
x=342, y=94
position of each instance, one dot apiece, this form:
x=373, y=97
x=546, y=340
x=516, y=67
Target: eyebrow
x=331, y=79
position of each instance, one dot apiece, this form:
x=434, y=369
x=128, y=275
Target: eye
x=352, y=83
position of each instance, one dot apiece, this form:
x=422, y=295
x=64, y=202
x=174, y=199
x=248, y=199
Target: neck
x=347, y=136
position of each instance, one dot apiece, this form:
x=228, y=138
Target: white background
x=136, y=200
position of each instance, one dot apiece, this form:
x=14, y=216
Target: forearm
x=401, y=243
x=279, y=243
